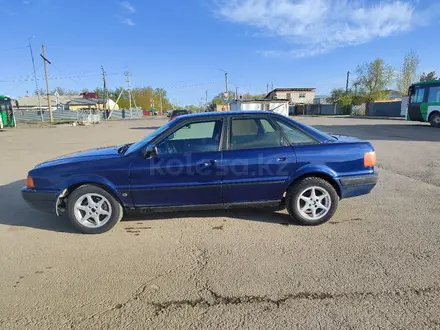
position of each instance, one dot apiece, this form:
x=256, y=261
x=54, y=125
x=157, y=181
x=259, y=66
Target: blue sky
x=181, y=45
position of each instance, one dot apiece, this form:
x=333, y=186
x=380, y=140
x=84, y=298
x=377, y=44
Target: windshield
x=136, y=146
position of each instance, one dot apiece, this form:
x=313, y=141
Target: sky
x=182, y=45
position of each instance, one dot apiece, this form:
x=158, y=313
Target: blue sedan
x=207, y=161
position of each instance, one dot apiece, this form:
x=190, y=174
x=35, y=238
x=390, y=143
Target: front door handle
x=281, y=158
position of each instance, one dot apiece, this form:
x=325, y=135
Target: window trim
x=275, y=119
x=259, y=117
x=159, y=139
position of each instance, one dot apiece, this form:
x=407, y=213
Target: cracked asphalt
x=376, y=264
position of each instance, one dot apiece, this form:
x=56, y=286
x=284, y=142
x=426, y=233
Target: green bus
x=7, y=118
x=424, y=102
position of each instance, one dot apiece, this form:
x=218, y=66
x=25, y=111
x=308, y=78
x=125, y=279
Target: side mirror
x=150, y=152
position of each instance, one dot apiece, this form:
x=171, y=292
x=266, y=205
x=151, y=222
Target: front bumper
x=42, y=201
x=358, y=185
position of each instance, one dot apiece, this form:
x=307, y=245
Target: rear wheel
x=312, y=201
x=434, y=119
x=92, y=210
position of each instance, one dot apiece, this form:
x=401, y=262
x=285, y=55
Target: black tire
x=294, y=193
x=434, y=119
x=116, y=212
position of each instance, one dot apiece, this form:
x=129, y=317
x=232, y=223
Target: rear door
x=185, y=171
x=256, y=162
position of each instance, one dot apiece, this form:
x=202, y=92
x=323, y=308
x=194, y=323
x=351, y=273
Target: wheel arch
x=433, y=113
x=76, y=182
x=325, y=175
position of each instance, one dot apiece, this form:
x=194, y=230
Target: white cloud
x=128, y=7
x=315, y=27
x=128, y=22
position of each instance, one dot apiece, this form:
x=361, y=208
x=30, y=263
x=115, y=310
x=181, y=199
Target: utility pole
x=45, y=60
x=104, y=74
x=226, y=82
x=267, y=89
x=36, y=80
x=236, y=92
x=160, y=98
x=206, y=98
x=348, y=79
x=272, y=84
x=127, y=75
x=356, y=88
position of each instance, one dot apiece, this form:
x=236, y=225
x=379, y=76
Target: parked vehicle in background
x=424, y=102
x=177, y=113
x=7, y=118
x=208, y=161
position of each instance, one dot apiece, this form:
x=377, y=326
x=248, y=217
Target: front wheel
x=92, y=210
x=312, y=201
x=434, y=120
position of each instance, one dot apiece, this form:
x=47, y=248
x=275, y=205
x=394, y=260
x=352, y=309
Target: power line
x=12, y=49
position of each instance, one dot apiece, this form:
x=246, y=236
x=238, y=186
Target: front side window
x=254, y=133
x=294, y=135
x=434, y=95
x=418, y=95
x=194, y=137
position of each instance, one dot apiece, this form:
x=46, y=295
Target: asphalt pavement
x=376, y=264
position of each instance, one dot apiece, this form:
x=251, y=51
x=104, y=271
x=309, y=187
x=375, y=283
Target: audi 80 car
x=208, y=161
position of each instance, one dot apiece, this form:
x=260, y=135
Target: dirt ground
x=376, y=264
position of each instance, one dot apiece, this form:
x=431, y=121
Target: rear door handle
x=281, y=158
x=207, y=163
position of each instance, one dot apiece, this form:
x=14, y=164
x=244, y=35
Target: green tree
x=373, y=80
x=428, y=76
x=335, y=95
x=407, y=74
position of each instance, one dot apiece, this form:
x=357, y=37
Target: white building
x=294, y=95
x=277, y=106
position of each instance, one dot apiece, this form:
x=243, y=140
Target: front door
x=257, y=163
x=185, y=171
x=416, y=99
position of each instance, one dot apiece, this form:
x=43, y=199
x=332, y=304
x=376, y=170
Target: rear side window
x=294, y=135
x=254, y=133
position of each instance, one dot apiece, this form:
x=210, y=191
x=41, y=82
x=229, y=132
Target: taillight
x=30, y=182
x=370, y=159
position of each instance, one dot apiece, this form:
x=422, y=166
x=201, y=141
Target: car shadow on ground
x=16, y=213
x=146, y=127
x=390, y=132
x=259, y=215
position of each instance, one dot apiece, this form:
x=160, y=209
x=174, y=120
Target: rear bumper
x=358, y=185
x=42, y=201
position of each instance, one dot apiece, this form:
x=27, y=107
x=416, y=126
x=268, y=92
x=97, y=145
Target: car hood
x=345, y=139
x=89, y=155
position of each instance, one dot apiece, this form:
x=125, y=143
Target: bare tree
x=428, y=76
x=408, y=71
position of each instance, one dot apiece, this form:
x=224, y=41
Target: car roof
x=228, y=113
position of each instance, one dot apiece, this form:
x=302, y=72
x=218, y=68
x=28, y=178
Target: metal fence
x=78, y=115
